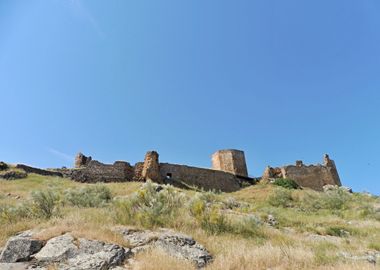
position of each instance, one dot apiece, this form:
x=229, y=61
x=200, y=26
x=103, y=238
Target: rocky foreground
x=65, y=252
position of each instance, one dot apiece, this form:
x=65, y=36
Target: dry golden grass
x=157, y=260
x=285, y=247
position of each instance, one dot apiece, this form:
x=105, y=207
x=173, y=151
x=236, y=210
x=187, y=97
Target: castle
x=228, y=172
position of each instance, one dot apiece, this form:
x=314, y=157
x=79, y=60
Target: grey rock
x=371, y=257
x=137, y=238
x=81, y=254
x=184, y=247
x=174, y=244
x=20, y=248
x=13, y=266
x=58, y=249
x=271, y=220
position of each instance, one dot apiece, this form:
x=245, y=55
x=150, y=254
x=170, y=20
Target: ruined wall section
x=81, y=160
x=96, y=171
x=151, y=167
x=231, y=161
x=311, y=176
x=199, y=177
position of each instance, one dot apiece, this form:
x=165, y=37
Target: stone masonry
x=228, y=173
x=311, y=176
x=232, y=161
x=151, y=168
x=81, y=160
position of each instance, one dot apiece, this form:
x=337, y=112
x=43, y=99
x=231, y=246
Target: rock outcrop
x=174, y=244
x=20, y=248
x=66, y=252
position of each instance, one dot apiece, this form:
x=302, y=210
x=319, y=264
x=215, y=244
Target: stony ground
x=145, y=226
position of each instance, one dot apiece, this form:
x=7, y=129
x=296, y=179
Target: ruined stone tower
x=151, y=168
x=232, y=161
x=81, y=160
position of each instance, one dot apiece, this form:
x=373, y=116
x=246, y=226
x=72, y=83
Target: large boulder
x=184, y=247
x=58, y=249
x=20, y=249
x=174, y=244
x=81, y=254
x=14, y=266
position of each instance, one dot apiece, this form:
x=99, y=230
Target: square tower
x=231, y=161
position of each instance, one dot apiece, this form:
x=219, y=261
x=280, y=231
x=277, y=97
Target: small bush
x=334, y=200
x=247, y=227
x=90, y=196
x=12, y=214
x=149, y=207
x=231, y=203
x=337, y=231
x=286, y=183
x=374, y=246
x=324, y=253
x=45, y=204
x=281, y=198
x=213, y=222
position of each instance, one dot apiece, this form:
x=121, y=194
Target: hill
x=259, y=227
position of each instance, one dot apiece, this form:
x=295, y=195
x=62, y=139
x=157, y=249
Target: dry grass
x=157, y=260
x=286, y=247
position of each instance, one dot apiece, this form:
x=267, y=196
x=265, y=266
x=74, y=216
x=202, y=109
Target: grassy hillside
x=309, y=230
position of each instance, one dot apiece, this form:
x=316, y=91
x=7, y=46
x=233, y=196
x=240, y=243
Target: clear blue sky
x=281, y=80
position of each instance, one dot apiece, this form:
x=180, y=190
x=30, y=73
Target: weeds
x=149, y=207
x=45, y=204
x=89, y=196
x=286, y=183
x=281, y=198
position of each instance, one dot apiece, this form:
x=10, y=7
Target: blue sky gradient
x=281, y=80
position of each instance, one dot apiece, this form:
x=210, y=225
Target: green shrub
x=213, y=222
x=247, y=227
x=337, y=231
x=12, y=214
x=324, y=253
x=374, y=246
x=281, y=198
x=90, y=196
x=149, y=206
x=334, y=200
x=45, y=204
x=286, y=183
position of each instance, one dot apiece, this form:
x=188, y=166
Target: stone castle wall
x=228, y=173
x=199, y=177
x=96, y=171
x=310, y=176
x=91, y=171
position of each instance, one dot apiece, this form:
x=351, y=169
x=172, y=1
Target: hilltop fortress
x=228, y=172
